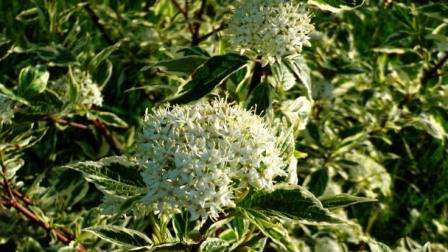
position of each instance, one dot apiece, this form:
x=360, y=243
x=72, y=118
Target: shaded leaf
x=185, y=65
x=129, y=203
x=103, y=73
x=260, y=98
x=120, y=236
x=208, y=76
x=319, y=181
x=32, y=81
x=11, y=95
x=169, y=247
x=343, y=200
x=275, y=231
x=195, y=50
x=102, y=56
x=291, y=201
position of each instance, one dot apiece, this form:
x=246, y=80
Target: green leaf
x=194, y=51
x=102, y=56
x=11, y=95
x=121, y=236
x=433, y=124
x=260, y=99
x=170, y=247
x=297, y=111
x=29, y=244
x=129, y=203
x=319, y=181
x=228, y=235
x=282, y=77
x=275, y=231
x=108, y=118
x=32, y=81
x=103, y=73
x=291, y=201
x=314, y=133
x=185, y=65
x=117, y=206
x=375, y=246
x=13, y=165
x=336, y=6
x=114, y=175
x=343, y=200
x=285, y=141
x=56, y=55
x=73, y=90
x=208, y=76
x=301, y=71
x=214, y=245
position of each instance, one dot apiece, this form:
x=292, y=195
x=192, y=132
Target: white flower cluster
x=6, y=110
x=202, y=157
x=271, y=28
x=91, y=93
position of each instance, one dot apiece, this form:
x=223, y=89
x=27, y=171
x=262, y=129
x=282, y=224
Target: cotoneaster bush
x=216, y=125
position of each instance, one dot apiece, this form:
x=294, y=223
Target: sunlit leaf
x=121, y=236
x=212, y=73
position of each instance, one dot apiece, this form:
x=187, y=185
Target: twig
x=187, y=7
x=432, y=72
x=256, y=77
x=195, y=37
x=180, y=9
x=201, y=10
x=113, y=142
x=215, y=30
x=5, y=183
x=32, y=217
x=104, y=131
x=194, y=26
x=185, y=14
x=25, y=211
x=18, y=195
x=73, y=124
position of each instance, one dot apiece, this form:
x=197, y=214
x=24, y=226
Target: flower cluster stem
x=256, y=76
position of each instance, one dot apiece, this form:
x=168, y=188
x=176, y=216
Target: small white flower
x=202, y=157
x=90, y=93
x=271, y=28
x=6, y=110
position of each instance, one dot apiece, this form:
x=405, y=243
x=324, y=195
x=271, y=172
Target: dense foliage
x=221, y=125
